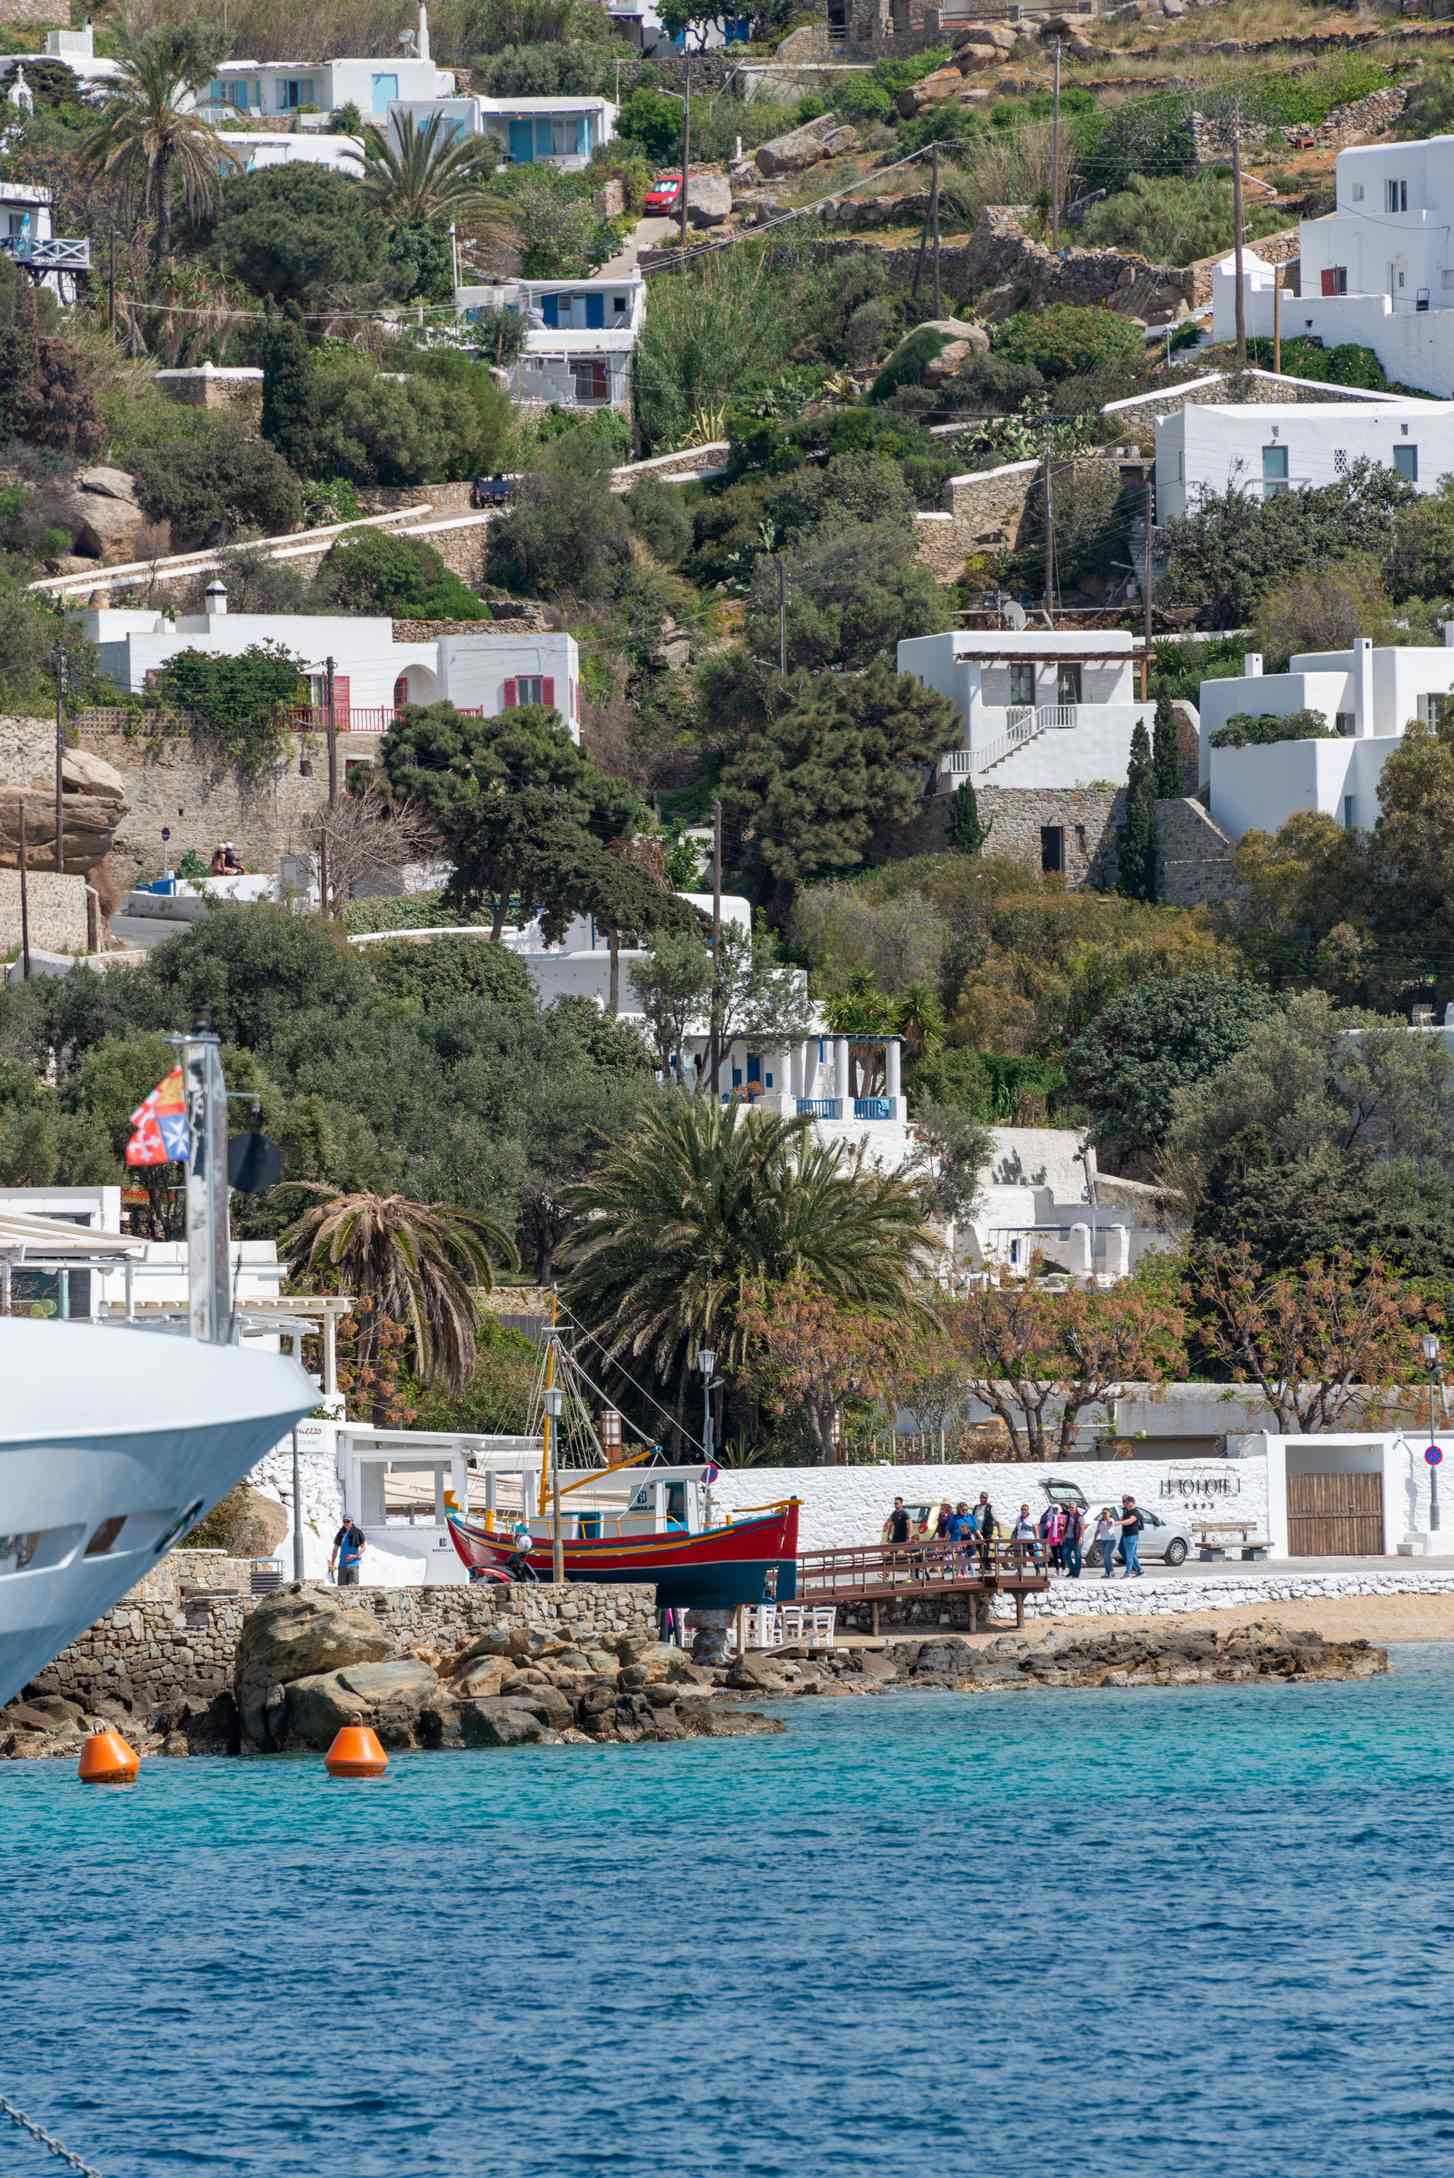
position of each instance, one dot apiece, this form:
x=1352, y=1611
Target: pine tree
x=967, y=836
x=1166, y=765
x=1136, y=847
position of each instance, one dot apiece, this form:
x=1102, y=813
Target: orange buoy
x=356, y=1753
x=107, y=1760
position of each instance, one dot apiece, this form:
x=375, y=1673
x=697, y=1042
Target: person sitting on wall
x=232, y=862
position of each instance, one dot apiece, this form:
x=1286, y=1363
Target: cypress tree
x=1136, y=848
x=966, y=834
x=1165, y=754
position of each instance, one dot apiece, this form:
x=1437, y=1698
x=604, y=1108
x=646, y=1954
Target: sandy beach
x=1340, y=1618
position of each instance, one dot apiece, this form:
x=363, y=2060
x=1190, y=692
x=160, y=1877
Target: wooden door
x=1335, y=1516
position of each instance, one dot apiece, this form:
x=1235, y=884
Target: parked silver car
x=1164, y=1540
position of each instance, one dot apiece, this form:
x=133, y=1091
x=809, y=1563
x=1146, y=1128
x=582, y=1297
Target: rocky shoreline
x=309, y=1661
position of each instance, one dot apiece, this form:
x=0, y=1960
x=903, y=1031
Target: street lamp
x=706, y=1362
x=554, y=1403
x=1430, y=1345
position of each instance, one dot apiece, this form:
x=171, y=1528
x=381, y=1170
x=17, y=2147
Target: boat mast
x=208, y=1291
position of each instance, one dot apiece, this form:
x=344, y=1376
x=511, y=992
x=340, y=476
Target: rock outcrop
x=93, y=804
x=303, y=1632
x=803, y=147
x=105, y=520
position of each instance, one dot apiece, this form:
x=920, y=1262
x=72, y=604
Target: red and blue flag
x=159, y=1134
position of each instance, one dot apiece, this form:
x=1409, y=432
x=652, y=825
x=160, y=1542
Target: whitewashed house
x=1264, y=449
x=28, y=239
x=1368, y=695
x=1045, y=1203
x=488, y=672
x=322, y=86
x=580, y=337
x=1038, y=710
x=1377, y=270
x=77, y=48
x=563, y=132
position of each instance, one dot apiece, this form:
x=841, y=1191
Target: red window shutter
x=547, y=691
x=508, y=695
x=1330, y=279
x=340, y=699
x=401, y=691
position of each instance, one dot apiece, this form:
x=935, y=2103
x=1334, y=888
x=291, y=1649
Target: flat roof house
x=1039, y=710
x=561, y=132
x=580, y=336
x=1208, y=448
x=373, y=85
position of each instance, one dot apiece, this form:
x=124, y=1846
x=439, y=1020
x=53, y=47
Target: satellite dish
x=1012, y=614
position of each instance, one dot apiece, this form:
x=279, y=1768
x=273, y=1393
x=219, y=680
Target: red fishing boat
x=648, y=1536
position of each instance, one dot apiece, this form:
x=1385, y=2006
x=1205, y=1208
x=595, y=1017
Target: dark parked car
x=491, y=491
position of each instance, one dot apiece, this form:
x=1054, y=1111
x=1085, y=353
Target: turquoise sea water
x=1202, y=1934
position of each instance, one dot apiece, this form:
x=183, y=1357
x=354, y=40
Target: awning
x=22, y=1233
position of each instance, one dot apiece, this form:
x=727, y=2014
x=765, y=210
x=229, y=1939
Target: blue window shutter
x=595, y=312
x=754, y=1066
x=583, y=134
x=549, y=310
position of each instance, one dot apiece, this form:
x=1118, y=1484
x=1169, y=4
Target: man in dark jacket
x=1073, y=1541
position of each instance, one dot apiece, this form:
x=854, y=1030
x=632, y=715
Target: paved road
x=143, y=930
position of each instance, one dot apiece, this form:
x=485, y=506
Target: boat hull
x=160, y=1429
x=750, y=1561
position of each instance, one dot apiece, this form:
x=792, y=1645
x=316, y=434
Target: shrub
x=1344, y=365
x=1170, y=219
x=653, y=120
x=1068, y=339
x=908, y=363
x=204, y=472
x=296, y=232
x=450, y=972
x=236, y=706
x=373, y=572
x=565, y=532
x=657, y=512
x=1256, y=730
x=333, y=413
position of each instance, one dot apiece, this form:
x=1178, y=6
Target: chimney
x=1252, y=665
x=1449, y=635
x=1363, y=684
x=424, y=52
x=216, y=595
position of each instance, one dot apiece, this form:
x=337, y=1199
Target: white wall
x=1095, y=751
x=1279, y=693
x=255, y=152
x=846, y=1507
x=1211, y=448
x=1396, y=1456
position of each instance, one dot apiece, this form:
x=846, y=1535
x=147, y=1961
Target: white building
x=1046, y=1202
x=28, y=239
x=77, y=48
x=560, y=132
x=1262, y=449
x=255, y=150
x=1377, y=270
x=96, y=1271
x=269, y=87
x=1367, y=695
x=579, y=340
x=374, y=676
x=1038, y=710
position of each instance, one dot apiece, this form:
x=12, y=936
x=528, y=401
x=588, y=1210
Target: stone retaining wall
x=161, y=1646
x=1093, y=1596
x=1194, y=856
x=56, y=906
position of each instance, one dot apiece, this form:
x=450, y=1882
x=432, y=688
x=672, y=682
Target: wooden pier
x=912, y=1572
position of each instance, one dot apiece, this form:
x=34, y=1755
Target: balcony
x=820, y=1107
x=356, y=718
x=57, y=253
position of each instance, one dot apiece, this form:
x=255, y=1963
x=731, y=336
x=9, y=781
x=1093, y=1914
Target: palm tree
x=702, y=1201
x=423, y=174
x=148, y=135
x=414, y=1263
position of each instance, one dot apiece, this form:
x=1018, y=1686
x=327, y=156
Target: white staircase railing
x=1026, y=723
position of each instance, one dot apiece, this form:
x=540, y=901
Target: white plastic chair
x=824, y=1620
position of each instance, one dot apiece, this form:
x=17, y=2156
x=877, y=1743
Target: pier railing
x=889, y=1569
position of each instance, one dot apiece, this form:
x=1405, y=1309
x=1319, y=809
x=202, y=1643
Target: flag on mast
x=159, y=1133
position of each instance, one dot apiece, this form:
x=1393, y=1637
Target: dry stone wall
x=56, y=908
x=1194, y=856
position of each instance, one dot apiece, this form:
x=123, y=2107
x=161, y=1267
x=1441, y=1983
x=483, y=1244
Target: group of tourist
x=1058, y=1539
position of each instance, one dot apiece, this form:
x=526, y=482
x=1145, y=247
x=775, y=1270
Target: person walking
x=1107, y=1535
x=984, y=1523
x=1072, y=1541
x=1023, y=1532
x=1131, y=1526
x=347, y=1554
x=1050, y=1534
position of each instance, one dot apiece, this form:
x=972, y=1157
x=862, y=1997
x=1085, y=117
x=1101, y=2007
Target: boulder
x=83, y=773
x=104, y=519
x=301, y=1632
x=499, y=1723
x=709, y=197
x=998, y=37
x=930, y=90
x=799, y=148
x=485, y=1676
x=88, y=823
x=108, y=483
x=387, y=1695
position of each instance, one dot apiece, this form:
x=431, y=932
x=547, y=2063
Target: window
x=1395, y=196
x=1349, y=809
x=1181, y=468
x=385, y=89
x=1430, y=709
x=1022, y=682
x=1340, y=461
x=1446, y=277
x=529, y=688
x=1274, y=471
x=1052, y=849
x=295, y=91
x=1333, y=280
x=1405, y=464
x=1357, y=192
x=1068, y=684
x=592, y=381
x=1344, y=723
x=106, y=1534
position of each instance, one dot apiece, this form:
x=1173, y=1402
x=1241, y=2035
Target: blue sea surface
x=1196, y=1934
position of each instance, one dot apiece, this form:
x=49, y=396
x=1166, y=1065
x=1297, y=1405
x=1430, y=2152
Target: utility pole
x=1055, y=158
x=1049, y=536
x=1146, y=581
x=1237, y=242
x=24, y=899
x=686, y=143
x=330, y=732
x=58, y=667
x=714, y=1041
x=111, y=282
x=934, y=224
x=782, y=617
x=1277, y=321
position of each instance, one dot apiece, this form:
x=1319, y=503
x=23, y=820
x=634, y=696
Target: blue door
x=521, y=139
x=549, y=310
x=595, y=318
x=386, y=89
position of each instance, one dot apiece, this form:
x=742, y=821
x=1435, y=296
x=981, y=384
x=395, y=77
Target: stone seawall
x=1092, y=1596
x=174, y=1638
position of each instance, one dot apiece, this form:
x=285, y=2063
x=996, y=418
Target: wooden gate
x=1335, y=1516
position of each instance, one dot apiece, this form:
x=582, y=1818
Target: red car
x=664, y=195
